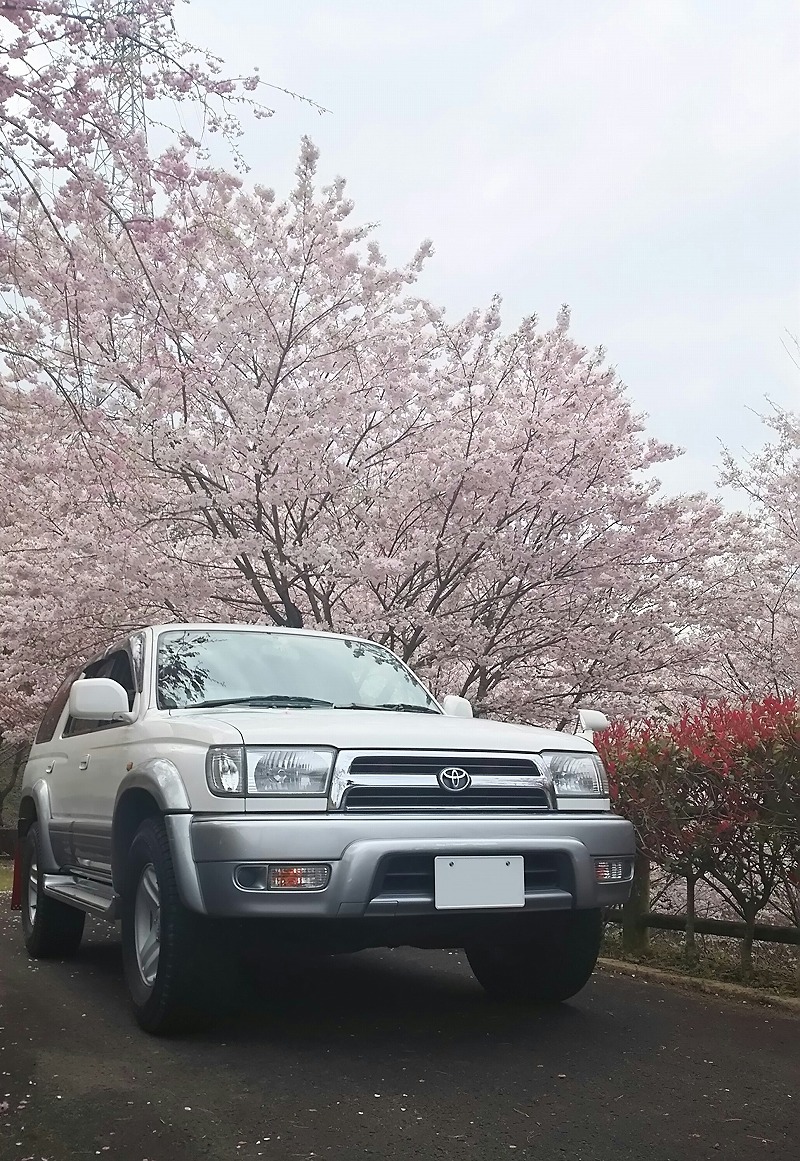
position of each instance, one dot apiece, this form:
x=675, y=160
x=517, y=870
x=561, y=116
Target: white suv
x=303, y=787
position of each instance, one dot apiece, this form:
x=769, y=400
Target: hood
x=382, y=730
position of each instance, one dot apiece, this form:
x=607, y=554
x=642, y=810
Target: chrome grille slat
x=431, y=764
x=366, y=798
x=406, y=781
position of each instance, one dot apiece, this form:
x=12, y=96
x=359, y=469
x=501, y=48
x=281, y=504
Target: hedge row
x=714, y=794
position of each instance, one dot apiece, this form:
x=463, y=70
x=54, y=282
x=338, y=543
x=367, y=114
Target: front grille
x=366, y=798
x=412, y=764
x=411, y=876
x=405, y=875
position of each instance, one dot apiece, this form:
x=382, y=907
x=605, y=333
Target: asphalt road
x=388, y=1055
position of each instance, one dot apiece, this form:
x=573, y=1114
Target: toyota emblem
x=453, y=778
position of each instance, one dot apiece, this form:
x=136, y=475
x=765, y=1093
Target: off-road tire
x=550, y=961
x=172, y=1002
x=199, y=966
x=52, y=929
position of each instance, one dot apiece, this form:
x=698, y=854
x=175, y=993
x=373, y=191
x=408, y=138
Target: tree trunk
x=17, y=762
x=746, y=948
x=689, y=943
x=635, y=937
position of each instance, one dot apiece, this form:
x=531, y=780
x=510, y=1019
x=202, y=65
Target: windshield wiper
x=399, y=706
x=266, y=701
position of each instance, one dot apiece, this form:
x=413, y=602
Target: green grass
x=775, y=966
x=6, y=874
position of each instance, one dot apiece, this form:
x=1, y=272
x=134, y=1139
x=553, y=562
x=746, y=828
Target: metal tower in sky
x=126, y=98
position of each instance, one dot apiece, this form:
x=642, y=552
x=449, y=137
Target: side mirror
x=591, y=722
x=457, y=707
x=99, y=699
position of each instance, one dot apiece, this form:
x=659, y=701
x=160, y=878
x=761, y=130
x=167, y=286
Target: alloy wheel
x=32, y=893
x=147, y=925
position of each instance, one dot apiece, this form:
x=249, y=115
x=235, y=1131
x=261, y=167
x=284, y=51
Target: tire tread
x=57, y=930
x=550, y=964
x=191, y=961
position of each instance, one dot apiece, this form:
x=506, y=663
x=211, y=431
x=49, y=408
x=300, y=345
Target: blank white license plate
x=465, y=881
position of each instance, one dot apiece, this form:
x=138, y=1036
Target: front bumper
x=368, y=855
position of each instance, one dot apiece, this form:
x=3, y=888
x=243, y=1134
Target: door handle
x=84, y=762
x=49, y=768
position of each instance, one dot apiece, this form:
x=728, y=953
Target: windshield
x=218, y=666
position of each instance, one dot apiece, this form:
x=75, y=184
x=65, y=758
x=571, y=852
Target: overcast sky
x=639, y=160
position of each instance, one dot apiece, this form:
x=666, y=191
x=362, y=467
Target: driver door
x=97, y=755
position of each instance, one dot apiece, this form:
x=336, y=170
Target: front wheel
x=547, y=963
x=158, y=937
x=52, y=930
x=178, y=969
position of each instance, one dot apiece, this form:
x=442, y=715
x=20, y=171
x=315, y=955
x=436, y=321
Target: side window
x=118, y=667
x=47, y=726
x=122, y=672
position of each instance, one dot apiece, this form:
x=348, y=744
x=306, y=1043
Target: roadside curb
x=720, y=988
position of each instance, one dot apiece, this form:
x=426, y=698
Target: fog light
x=310, y=877
x=612, y=870
x=252, y=878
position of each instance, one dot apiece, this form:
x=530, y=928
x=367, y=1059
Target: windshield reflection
x=277, y=669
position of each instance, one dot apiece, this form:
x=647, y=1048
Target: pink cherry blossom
x=233, y=407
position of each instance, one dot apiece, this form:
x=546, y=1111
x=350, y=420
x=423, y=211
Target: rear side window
x=47, y=726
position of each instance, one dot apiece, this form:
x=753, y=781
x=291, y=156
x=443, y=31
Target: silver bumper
x=559, y=853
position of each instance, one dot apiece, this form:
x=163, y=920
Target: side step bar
x=97, y=898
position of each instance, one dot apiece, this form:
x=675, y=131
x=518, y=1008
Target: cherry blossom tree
x=763, y=654
x=56, y=115
x=59, y=510
x=300, y=438
x=75, y=572
x=233, y=406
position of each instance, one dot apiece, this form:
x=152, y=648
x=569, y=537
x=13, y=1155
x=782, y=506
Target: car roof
x=238, y=626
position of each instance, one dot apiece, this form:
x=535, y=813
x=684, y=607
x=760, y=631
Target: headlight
x=300, y=770
x=577, y=775
x=225, y=770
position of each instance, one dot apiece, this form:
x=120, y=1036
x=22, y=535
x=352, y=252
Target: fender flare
x=39, y=794
x=161, y=779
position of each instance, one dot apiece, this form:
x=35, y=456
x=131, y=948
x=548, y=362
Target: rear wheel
x=52, y=929
x=174, y=971
x=550, y=962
